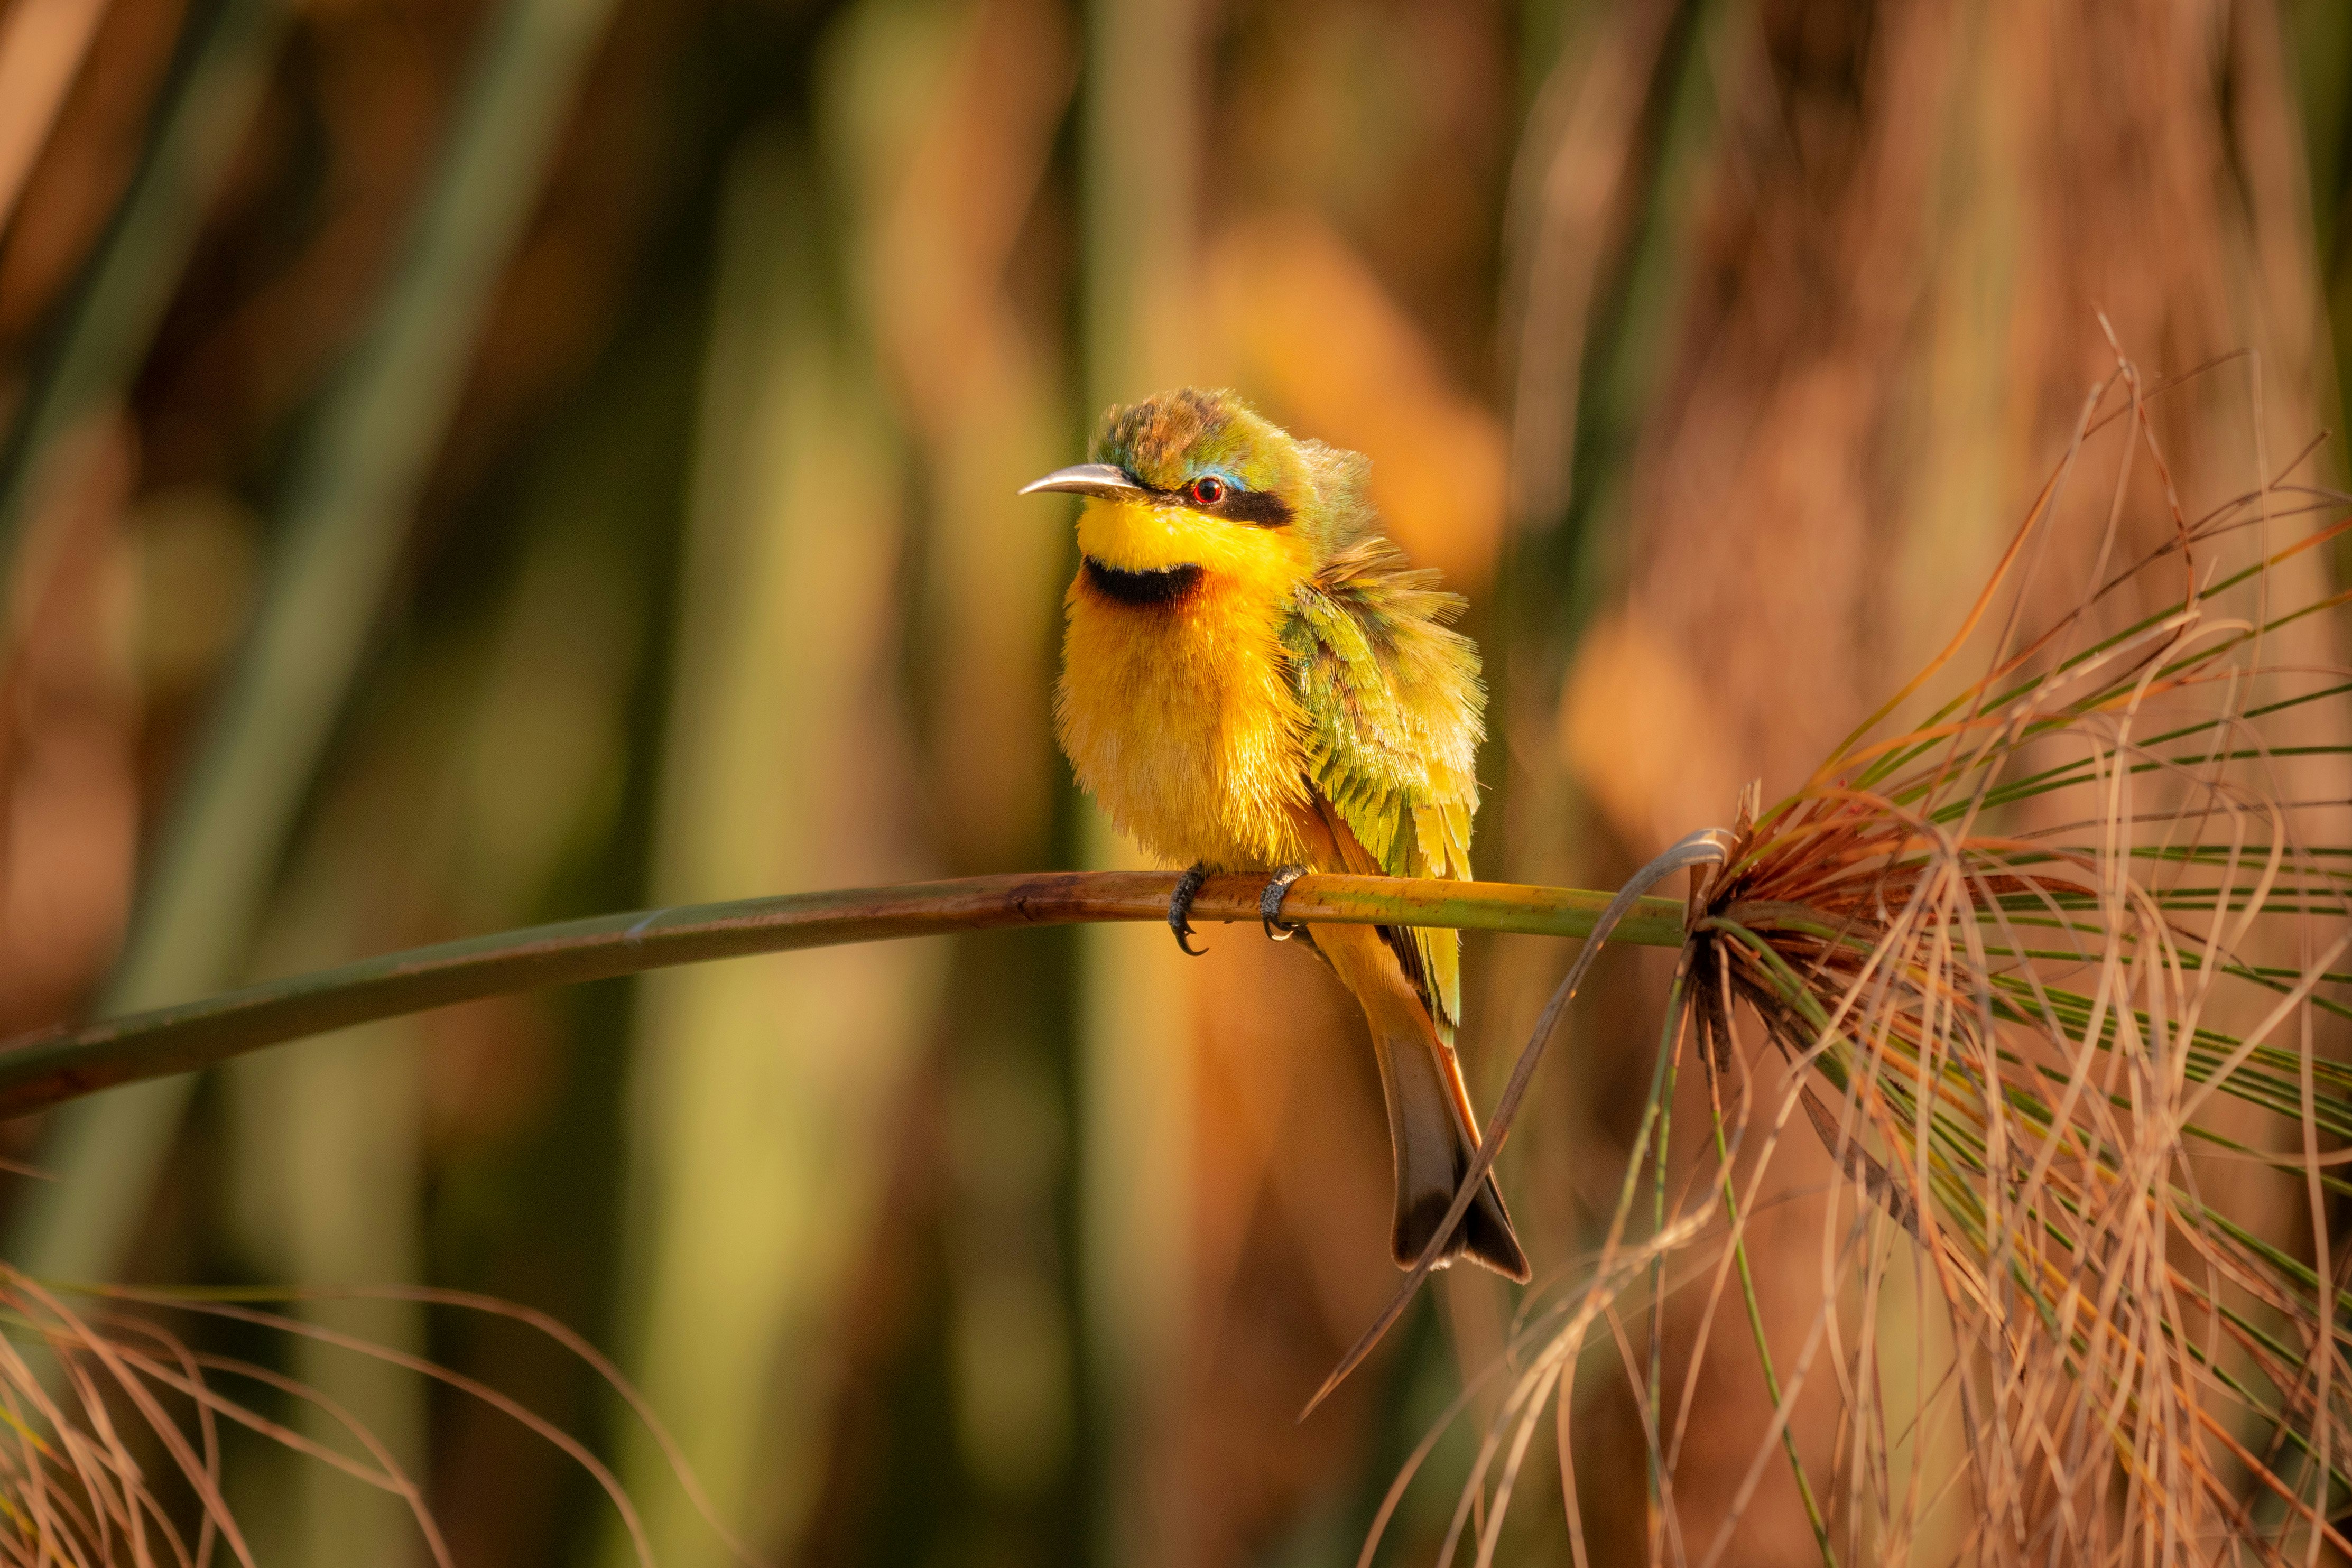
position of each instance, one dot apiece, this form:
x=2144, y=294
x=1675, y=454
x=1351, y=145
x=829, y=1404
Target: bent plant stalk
x=46, y=1069
x=117, y=1372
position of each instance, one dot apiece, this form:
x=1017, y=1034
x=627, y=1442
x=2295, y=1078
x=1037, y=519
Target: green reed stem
x=1764, y=1349
x=43, y=1070
x=1670, y=1051
x=1656, y=1118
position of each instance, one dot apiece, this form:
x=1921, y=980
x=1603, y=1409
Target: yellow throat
x=1175, y=706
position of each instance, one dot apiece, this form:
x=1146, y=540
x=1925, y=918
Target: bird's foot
x=1269, y=903
x=1179, y=908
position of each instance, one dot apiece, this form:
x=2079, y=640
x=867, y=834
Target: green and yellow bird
x=1254, y=680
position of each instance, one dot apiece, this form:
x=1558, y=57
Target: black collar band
x=1165, y=586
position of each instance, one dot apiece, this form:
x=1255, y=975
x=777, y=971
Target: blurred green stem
x=745, y=1113
x=1813, y=1516
x=1145, y=91
x=120, y=301
x=47, y=1069
x=105, y=335
x=345, y=514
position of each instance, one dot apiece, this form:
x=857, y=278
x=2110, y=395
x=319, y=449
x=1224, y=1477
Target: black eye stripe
x=1260, y=509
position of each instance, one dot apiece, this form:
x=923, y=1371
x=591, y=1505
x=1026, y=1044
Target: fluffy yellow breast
x=1178, y=715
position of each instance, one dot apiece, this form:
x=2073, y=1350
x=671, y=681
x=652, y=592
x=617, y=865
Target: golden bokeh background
x=469, y=462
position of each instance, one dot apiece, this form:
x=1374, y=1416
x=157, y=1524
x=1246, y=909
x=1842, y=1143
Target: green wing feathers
x=1395, y=709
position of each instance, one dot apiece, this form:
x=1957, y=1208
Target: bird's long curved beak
x=1099, y=479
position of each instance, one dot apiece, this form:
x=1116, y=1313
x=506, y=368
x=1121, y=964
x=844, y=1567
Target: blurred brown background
x=475, y=462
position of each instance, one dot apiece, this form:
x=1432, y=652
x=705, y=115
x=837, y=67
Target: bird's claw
x=1269, y=903
x=1180, y=907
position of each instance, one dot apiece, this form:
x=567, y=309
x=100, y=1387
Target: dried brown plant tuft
x=2057, y=974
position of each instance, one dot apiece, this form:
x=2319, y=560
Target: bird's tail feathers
x=1431, y=1128
x=1435, y=1137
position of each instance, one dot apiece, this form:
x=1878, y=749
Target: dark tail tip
x=1485, y=1235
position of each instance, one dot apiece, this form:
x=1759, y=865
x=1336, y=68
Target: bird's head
x=1192, y=485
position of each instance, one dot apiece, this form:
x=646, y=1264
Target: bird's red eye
x=1208, y=489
